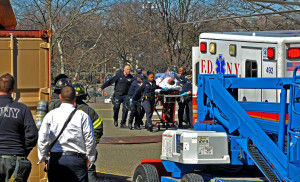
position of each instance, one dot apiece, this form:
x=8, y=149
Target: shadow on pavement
x=103, y=177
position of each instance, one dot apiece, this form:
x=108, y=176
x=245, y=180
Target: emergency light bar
x=293, y=53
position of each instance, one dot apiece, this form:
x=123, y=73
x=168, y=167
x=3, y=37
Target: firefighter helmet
x=79, y=88
x=62, y=83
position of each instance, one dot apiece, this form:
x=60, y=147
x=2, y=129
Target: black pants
x=136, y=113
x=148, y=106
x=67, y=168
x=7, y=169
x=188, y=107
x=118, y=100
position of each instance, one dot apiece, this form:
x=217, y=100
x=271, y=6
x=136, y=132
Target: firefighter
x=146, y=90
x=57, y=88
x=135, y=106
x=96, y=120
x=122, y=82
x=186, y=101
x=60, y=81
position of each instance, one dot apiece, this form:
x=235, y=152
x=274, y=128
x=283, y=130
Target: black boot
x=180, y=125
x=116, y=123
x=130, y=126
x=137, y=127
x=123, y=125
x=150, y=128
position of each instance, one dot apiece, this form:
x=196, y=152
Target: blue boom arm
x=217, y=100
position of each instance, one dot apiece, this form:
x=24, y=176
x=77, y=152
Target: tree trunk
x=61, y=57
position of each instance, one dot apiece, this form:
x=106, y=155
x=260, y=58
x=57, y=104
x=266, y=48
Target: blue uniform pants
x=67, y=168
x=117, y=104
x=188, y=108
x=135, y=114
x=148, y=106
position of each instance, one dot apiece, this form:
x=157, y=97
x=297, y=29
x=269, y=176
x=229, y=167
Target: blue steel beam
x=267, y=107
x=254, y=83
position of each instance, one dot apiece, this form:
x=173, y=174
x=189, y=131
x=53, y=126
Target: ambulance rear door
x=252, y=66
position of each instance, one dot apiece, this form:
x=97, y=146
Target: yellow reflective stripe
x=97, y=140
x=96, y=121
x=95, y=126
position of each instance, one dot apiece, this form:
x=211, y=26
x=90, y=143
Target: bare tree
x=60, y=16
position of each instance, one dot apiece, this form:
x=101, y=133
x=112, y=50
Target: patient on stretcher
x=167, y=80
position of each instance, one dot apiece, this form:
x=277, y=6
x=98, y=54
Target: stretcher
x=166, y=99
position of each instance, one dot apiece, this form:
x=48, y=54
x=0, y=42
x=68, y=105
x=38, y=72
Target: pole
x=282, y=128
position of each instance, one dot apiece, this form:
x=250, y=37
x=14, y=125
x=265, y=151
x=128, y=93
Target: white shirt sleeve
x=43, y=140
x=88, y=133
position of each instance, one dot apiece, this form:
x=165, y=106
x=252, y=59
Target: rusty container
x=7, y=17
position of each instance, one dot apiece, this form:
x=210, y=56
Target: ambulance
x=247, y=54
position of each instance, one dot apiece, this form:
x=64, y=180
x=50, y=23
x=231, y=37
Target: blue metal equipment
x=217, y=99
x=249, y=139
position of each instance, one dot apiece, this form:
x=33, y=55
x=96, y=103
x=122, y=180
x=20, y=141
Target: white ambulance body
x=248, y=54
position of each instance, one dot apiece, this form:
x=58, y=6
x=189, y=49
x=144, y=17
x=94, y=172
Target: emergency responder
x=66, y=141
x=96, y=120
x=140, y=109
x=186, y=101
x=139, y=71
x=122, y=82
x=180, y=76
x=56, y=92
x=18, y=134
x=135, y=106
x=146, y=90
x=60, y=81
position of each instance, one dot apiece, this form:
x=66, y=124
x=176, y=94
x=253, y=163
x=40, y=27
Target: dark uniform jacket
x=96, y=120
x=122, y=83
x=146, y=90
x=54, y=103
x=133, y=88
x=182, y=80
x=18, y=132
x=187, y=86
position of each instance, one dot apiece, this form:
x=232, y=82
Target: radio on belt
x=195, y=147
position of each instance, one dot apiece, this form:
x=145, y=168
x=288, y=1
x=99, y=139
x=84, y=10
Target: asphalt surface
x=117, y=162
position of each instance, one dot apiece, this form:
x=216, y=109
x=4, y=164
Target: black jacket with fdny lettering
x=18, y=132
x=122, y=83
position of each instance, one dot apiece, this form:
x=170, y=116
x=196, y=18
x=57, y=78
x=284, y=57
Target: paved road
x=117, y=162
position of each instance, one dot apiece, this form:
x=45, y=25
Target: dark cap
x=139, y=70
x=189, y=72
x=141, y=76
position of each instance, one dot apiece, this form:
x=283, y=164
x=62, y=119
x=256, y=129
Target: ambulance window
x=251, y=68
x=197, y=72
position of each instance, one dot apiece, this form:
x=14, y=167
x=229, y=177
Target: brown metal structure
x=7, y=17
x=26, y=55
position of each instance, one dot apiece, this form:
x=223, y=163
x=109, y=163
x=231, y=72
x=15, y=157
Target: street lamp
x=150, y=5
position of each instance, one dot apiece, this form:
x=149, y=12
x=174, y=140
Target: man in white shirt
x=75, y=149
